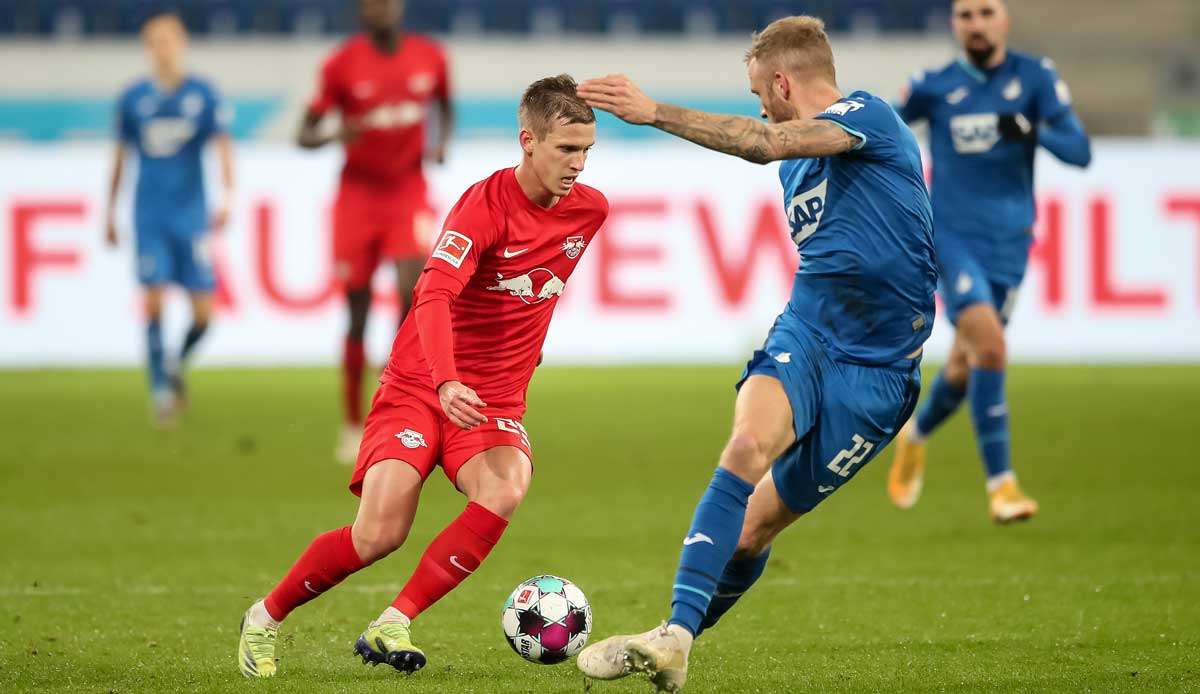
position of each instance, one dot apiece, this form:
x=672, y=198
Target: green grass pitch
x=128, y=555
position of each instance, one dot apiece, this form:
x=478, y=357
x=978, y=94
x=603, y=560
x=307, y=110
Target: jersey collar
x=982, y=76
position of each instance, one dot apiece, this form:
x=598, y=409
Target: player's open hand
x=618, y=95
x=460, y=403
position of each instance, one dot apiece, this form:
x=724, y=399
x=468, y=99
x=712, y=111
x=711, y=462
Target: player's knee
x=153, y=306
x=502, y=498
x=991, y=353
x=374, y=541
x=745, y=456
x=957, y=371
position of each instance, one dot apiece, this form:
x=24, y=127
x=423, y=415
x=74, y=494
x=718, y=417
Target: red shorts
x=373, y=222
x=408, y=424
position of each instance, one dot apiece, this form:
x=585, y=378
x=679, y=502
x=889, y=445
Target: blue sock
x=944, y=398
x=193, y=336
x=737, y=578
x=708, y=547
x=989, y=413
x=154, y=354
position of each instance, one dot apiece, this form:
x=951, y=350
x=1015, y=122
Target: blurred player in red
x=381, y=82
x=453, y=393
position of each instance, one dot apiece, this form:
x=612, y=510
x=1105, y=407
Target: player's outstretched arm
x=740, y=136
x=114, y=187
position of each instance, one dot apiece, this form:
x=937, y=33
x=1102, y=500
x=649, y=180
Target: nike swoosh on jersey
x=514, y=254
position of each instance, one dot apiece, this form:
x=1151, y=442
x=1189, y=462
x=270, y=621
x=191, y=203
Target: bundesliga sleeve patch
x=453, y=248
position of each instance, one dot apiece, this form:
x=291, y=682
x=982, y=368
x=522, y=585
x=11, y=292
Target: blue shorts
x=843, y=413
x=165, y=258
x=963, y=282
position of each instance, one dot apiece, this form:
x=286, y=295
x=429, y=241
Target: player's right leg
x=962, y=284
x=390, y=491
x=155, y=270
x=906, y=477
x=161, y=395
x=763, y=429
x=766, y=516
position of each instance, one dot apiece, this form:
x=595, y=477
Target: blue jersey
x=169, y=131
x=982, y=183
x=864, y=228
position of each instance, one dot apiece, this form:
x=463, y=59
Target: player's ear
x=527, y=139
x=783, y=85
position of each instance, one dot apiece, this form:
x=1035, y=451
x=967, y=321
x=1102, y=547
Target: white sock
x=685, y=637
x=259, y=617
x=390, y=616
x=996, y=481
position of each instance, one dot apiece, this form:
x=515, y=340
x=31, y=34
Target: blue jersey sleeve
x=1053, y=98
x=915, y=99
x=1060, y=133
x=872, y=121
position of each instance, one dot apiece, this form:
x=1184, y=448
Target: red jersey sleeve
x=328, y=94
x=468, y=232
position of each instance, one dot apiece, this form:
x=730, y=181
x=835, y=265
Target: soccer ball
x=546, y=620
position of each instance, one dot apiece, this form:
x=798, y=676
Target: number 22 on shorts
x=853, y=456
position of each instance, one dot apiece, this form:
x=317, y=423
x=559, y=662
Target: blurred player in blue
x=168, y=118
x=988, y=111
x=839, y=372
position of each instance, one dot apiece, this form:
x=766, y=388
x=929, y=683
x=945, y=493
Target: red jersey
x=501, y=263
x=388, y=94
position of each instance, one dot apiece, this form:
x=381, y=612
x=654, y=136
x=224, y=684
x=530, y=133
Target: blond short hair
x=550, y=100
x=798, y=45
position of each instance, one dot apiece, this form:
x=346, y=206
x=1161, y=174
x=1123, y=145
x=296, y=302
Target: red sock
x=450, y=558
x=353, y=359
x=329, y=559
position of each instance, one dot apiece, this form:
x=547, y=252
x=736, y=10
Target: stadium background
x=693, y=266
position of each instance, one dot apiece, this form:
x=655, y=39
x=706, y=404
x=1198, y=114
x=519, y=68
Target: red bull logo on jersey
x=402, y=114
x=573, y=246
x=532, y=287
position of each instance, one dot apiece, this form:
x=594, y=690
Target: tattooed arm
x=750, y=139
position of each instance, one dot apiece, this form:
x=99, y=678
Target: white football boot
x=663, y=654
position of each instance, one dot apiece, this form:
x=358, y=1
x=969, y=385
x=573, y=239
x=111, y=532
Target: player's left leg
x=202, y=305
x=982, y=328
x=494, y=481
x=357, y=245
x=906, y=477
